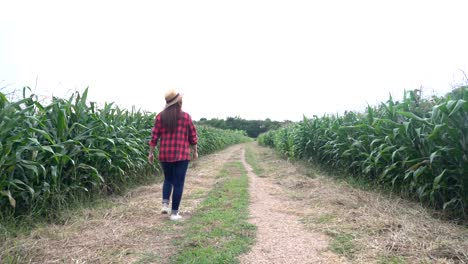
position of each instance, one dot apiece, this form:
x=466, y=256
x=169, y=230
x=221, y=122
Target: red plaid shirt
x=174, y=146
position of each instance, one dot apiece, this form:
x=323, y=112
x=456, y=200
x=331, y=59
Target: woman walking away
x=176, y=132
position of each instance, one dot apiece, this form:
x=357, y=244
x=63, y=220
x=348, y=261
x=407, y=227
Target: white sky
x=254, y=59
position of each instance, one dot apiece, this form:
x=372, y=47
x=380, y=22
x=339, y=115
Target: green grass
x=325, y=218
x=392, y=260
x=219, y=231
x=148, y=257
x=342, y=244
x=252, y=159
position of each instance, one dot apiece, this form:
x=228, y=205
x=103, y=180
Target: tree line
x=252, y=127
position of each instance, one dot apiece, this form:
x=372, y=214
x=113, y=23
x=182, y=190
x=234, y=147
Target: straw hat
x=172, y=97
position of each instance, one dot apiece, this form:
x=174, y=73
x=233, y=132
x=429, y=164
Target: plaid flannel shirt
x=174, y=146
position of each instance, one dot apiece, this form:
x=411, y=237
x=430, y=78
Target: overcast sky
x=254, y=59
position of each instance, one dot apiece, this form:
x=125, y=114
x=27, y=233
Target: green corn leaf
x=433, y=156
x=48, y=149
x=437, y=180
x=7, y=193
x=34, y=141
x=436, y=131
x=412, y=116
x=54, y=172
x=27, y=187
x=450, y=104
x=94, y=172
x=30, y=166
x=44, y=134
x=406, y=125
x=61, y=125
x=418, y=172
x=457, y=107
x=451, y=202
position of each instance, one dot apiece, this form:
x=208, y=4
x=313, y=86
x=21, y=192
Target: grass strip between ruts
x=219, y=232
x=252, y=160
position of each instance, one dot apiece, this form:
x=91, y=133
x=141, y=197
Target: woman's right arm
x=195, y=151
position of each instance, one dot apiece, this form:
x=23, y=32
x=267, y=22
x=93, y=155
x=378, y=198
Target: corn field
x=417, y=147
x=52, y=154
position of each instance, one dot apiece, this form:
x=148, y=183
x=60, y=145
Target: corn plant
x=69, y=148
x=417, y=147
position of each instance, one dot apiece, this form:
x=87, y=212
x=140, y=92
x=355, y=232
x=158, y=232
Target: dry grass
x=369, y=227
x=130, y=230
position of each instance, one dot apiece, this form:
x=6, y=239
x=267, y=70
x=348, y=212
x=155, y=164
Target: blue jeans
x=174, y=178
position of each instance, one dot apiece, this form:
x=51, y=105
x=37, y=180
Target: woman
x=177, y=133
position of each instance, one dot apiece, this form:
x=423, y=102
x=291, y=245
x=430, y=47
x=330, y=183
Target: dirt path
x=281, y=238
x=129, y=229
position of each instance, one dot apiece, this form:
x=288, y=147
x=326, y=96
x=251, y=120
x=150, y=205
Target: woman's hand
x=151, y=158
x=195, y=152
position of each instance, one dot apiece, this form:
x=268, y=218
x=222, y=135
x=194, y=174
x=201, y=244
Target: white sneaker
x=165, y=209
x=175, y=217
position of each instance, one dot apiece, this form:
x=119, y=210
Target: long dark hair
x=170, y=116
